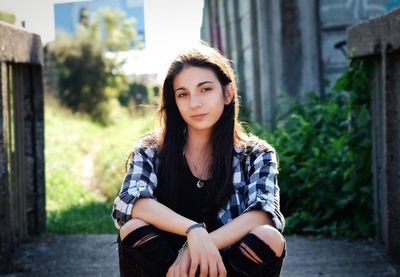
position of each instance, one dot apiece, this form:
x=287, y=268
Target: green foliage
x=118, y=32
x=82, y=74
x=137, y=93
x=73, y=205
x=89, y=82
x=8, y=17
x=324, y=148
x=117, y=143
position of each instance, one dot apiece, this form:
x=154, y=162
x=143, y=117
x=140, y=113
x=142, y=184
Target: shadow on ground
x=96, y=255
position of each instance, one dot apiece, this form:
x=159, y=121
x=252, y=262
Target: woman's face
x=200, y=97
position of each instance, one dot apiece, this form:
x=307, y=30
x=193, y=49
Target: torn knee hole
x=249, y=253
x=145, y=239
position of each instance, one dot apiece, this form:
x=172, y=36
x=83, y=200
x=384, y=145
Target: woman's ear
x=229, y=92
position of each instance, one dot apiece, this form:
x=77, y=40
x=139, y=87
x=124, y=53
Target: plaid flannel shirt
x=255, y=184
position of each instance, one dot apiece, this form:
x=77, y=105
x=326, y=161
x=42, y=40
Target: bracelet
x=197, y=225
x=180, y=252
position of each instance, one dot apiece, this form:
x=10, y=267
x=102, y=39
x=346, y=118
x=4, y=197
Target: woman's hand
x=204, y=255
x=181, y=265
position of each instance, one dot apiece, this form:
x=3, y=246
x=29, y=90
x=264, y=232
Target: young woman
x=200, y=197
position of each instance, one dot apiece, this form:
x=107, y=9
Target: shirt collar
x=239, y=149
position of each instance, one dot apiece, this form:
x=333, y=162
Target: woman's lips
x=199, y=116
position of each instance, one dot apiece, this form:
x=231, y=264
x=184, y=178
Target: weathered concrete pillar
x=22, y=191
x=257, y=106
x=379, y=40
x=270, y=57
x=300, y=49
x=225, y=27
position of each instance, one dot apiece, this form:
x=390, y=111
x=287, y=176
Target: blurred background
x=103, y=64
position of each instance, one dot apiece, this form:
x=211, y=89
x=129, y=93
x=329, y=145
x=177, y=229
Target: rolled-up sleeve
x=139, y=182
x=263, y=190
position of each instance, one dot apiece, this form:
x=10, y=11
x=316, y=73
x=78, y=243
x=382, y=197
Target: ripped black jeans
x=149, y=252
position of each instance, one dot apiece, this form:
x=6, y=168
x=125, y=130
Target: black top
x=192, y=200
x=192, y=204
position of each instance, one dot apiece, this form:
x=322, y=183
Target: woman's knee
x=131, y=226
x=271, y=236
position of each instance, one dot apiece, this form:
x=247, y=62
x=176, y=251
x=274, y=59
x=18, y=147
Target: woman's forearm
x=161, y=216
x=232, y=232
x=167, y=220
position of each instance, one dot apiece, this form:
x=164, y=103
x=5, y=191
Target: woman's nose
x=195, y=101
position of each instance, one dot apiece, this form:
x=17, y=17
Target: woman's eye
x=182, y=94
x=205, y=89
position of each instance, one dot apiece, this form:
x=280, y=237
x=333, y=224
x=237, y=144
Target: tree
x=84, y=17
x=8, y=17
x=117, y=32
x=82, y=72
x=88, y=81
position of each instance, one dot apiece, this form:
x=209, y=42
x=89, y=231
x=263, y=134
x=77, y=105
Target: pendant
x=200, y=184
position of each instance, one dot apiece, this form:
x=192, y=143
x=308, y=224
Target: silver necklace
x=200, y=183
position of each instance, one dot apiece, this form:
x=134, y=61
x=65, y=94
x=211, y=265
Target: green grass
x=71, y=206
x=117, y=143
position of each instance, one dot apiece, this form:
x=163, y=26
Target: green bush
x=324, y=148
x=137, y=93
x=90, y=81
x=82, y=74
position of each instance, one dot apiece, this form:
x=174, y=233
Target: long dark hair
x=226, y=132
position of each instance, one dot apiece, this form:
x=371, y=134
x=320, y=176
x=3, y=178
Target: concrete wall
x=22, y=195
x=270, y=53
x=290, y=46
x=377, y=42
x=284, y=47
x=335, y=17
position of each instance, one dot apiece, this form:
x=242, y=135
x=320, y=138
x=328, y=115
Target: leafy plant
x=90, y=81
x=82, y=73
x=118, y=33
x=324, y=148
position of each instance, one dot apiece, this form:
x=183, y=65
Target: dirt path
x=88, y=172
